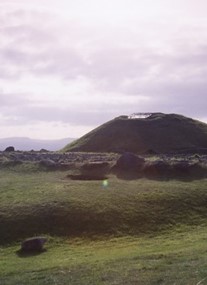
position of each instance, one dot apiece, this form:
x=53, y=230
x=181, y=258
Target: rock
x=129, y=161
x=128, y=166
x=34, y=244
x=9, y=149
x=48, y=163
x=157, y=168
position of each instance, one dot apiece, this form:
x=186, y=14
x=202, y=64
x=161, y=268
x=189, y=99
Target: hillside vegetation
x=159, y=133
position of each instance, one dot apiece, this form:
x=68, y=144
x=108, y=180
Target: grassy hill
x=159, y=133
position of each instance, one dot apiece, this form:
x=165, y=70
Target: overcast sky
x=68, y=66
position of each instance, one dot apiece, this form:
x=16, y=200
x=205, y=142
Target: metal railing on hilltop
x=139, y=115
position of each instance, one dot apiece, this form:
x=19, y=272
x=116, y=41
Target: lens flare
x=105, y=183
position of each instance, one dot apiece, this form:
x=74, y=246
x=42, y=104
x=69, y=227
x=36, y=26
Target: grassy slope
x=171, y=258
x=52, y=204
x=133, y=211
x=161, y=133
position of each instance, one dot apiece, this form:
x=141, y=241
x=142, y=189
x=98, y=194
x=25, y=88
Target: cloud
x=12, y=100
x=69, y=49
x=91, y=112
x=83, y=63
x=32, y=47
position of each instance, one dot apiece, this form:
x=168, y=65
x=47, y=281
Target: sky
x=68, y=66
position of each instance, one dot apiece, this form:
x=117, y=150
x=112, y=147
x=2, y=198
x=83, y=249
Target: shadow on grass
x=25, y=254
x=161, y=170
x=86, y=177
x=160, y=178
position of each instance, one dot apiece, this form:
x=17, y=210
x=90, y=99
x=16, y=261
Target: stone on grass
x=128, y=166
x=34, y=244
x=129, y=161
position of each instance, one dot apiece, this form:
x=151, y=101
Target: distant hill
x=26, y=144
x=156, y=133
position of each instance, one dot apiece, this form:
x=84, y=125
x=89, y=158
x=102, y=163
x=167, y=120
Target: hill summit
x=145, y=133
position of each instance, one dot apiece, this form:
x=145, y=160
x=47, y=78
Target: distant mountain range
x=27, y=144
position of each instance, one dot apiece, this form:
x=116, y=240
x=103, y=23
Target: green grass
x=49, y=203
x=171, y=258
x=131, y=232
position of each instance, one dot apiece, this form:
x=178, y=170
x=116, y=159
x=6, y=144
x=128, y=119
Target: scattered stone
x=95, y=166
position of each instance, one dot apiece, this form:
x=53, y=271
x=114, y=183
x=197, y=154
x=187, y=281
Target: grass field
x=171, y=258
x=129, y=232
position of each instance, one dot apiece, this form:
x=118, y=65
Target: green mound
x=158, y=133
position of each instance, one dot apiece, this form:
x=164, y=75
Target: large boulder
x=128, y=166
x=34, y=244
x=129, y=161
